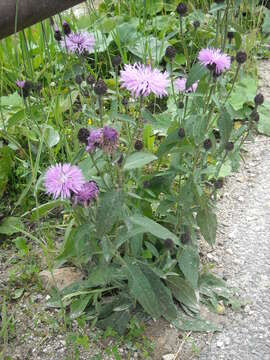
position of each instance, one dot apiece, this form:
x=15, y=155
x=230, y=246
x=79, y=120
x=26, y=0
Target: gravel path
x=245, y=261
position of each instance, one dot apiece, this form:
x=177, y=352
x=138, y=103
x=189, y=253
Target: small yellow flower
x=90, y=121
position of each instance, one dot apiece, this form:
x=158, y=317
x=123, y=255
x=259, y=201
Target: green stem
x=98, y=171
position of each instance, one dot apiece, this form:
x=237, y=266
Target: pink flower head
x=95, y=139
x=215, y=60
x=142, y=80
x=63, y=180
x=88, y=193
x=79, y=43
x=180, y=85
x=20, y=83
x=110, y=139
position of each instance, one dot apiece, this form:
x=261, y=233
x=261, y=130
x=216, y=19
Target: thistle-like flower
x=142, y=80
x=110, y=139
x=180, y=85
x=63, y=180
x=95, y=140
x=215, y=60
x=78, y=43
x=88, y=193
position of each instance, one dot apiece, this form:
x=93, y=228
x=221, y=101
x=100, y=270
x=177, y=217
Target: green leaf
x=150, y=291
x=153, y=227
x=80, y=245
x=117, y=321
x=189, y=264
x=266, y=22
x=43, y=209
x=243, y=92
x=163, y=294
x=196, y=73
x=11, y=225
x=138, y=160
x=109, y=211
x=51, y=137
x=141, y=289
x=183, y=292
x=264, y=122
x=207, y=222
x=78, y=306
x=225, y=125
x=197, y=324
x=171, y=140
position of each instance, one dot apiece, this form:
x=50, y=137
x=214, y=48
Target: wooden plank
x=29, y=12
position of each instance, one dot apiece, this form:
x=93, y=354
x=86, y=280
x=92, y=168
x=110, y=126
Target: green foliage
x=137, y=243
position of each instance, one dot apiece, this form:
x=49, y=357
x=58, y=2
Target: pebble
x=168, y=357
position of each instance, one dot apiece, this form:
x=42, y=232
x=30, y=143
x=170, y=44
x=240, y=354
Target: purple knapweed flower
x=63, y=180
x=20, y=83
x=110, y=139
x=79, y=43
x=142, y=80
x=95, y=140
x=214, y=58
x=88, y=193
x=180, y=85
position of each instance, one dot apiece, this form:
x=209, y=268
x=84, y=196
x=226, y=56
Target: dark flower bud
x=116, y=60
x=216, y=134
x=259, y=99
x=181, y=9
x=138, y=145
x=124, y=101
x=230, y=35
x=219, y=183
x=196, y=24
x=83, y=135
x=90, y=80
x=180, y=105
x=255, y=116
x=146, y=184
x=181, y=133
x=241, y=57
x=229, y=146
x=28, y=85
x=244, y=13
x=185, y=237
x=207, y=144
x=100, y=88
x=66, y=28
x=120, y=160
x=38, y=87
x=211, y=67
x=57, y=35
x=168, y=244
x=232, y=59
x=170, y=53
x=78, y=79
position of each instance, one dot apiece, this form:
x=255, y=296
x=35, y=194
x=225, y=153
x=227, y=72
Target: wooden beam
x=29, y=12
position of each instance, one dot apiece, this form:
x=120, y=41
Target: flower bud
x=185, y=237
x=170, y=53
x=181, y=9
x=66, y=28
x=181, y=133
x=83, y=135
x=116, y=60
x=259, y=99
x=229, y=146
x=100, y=88
x=241, y=57
x=207, y=144
x=138, y=145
